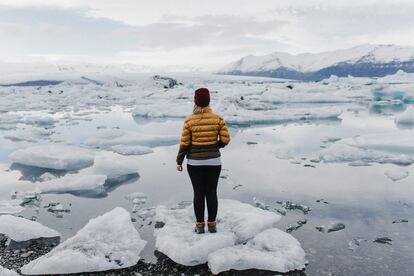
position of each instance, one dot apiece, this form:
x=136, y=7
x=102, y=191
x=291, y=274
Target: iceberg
x=237, y=223
x=107, y=242
x=52, y=156
x=21, y=230
x=10, y=206
x=393, y=93
x=406, y=118
x=271, y=249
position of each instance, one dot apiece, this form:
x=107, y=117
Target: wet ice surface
x=281, y=161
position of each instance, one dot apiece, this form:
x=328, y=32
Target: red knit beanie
x=202, y=97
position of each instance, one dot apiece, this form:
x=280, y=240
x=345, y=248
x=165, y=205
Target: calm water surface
x=262, y=162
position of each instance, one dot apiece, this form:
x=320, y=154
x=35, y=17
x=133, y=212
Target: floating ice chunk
x=335, y=226
x=392, y=142
x=359, y=164
x=296, y=226
x=271, y=250
x=113, y=165
x=10, y=206
x=164, y=109
x=396, y=174
x=146, y=213
x=131, y=149
x=277, y=116
x=71, y=183
x=107, y=139
x=260, y=204
x=47, y=176
x=340, y=152
x=28, y=135
x=107, y=242
x=288, y=205
x=399, y=77
x=355, y=243
x=384, y=240
x=389, y=93
x=406, y=118
x=21, y=229
x=9, y=121
x=237, y=222
x=332, y=227
x=7, y=272
x=58, y=157
x=136, y=196
x=400, y=221
x=39, y=120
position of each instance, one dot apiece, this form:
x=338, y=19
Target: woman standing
x=204, y=133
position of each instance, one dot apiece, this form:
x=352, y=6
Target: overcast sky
x=195, y=33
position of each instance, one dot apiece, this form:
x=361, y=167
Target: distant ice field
x=342, y=147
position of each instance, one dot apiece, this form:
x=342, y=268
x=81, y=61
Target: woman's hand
x=179, y=168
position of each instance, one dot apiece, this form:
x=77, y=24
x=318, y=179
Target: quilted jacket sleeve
x=184, y=143
x=224, y=135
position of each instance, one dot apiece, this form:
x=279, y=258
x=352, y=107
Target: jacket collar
x=207, y=109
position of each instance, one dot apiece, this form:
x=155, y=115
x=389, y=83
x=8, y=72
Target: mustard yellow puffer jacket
x=202, y=137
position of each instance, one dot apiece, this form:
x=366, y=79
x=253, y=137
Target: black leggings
x=205, y=180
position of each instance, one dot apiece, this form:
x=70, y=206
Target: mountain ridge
x=368, y=60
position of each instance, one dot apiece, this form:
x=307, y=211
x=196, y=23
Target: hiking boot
x=199, y=227
x=212, y=226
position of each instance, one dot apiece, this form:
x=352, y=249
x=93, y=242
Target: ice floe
x=74, y=183
x=396, y=174
x=137, y=198
x=271, y=250
x=238, y=223
x=406, y=118
x=28, y=135
x=19, y=229
x=393, y=94
x=105, y=139
x=107, y=242
x=242, y=116
x=394, y=148
x=131, y=149
x=10, y=206
x=113, y=165
x=53, y=156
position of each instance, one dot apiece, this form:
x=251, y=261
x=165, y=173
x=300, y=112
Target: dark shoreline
x=15, y=259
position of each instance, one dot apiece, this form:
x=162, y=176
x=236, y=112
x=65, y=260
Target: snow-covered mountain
x=361, y=61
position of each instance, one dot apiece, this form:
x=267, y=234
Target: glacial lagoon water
x=269, y=162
